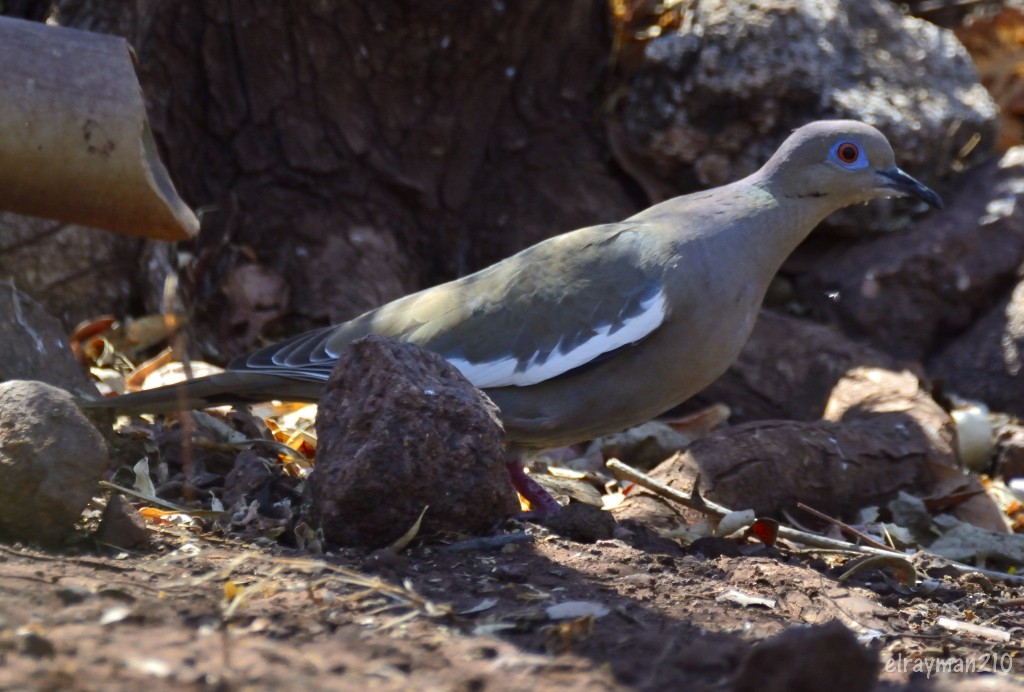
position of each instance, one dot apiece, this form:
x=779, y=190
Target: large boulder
x=709, y=102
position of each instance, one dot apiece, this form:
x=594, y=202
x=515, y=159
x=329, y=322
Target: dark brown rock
x=122, y=526
x=906, y=292
x=398, y=429
x=582, y=522
x=807, y=659
x=51, y=458
x=248, y=476
x=882, y=433
x=769, y=466
x=986, y=363
x=36, y=645
x=1010, y=452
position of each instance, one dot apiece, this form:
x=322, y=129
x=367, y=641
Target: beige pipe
x=75, y=144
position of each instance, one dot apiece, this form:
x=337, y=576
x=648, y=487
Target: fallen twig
x=154, y=500
x=902, y=566
x=972, y=629
x=693, y=500
x=487, y=543
x=790, y=534
x=844, y=527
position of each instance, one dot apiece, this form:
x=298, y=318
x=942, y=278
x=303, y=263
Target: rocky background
x=371, y=158
x=343, y=154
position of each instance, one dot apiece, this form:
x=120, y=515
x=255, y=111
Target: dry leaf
x=571, y=610
x=735, y=521
x=485, y=604
x=143, y=483
x=745, y=599
x=701, y=423
x=407, y=537
x=114, y=614
x=962, y=541
x=996, y=45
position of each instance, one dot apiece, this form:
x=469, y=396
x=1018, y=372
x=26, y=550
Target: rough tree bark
x=364, y=150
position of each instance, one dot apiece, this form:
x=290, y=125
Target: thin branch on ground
x=844, y=527
x=698, y=503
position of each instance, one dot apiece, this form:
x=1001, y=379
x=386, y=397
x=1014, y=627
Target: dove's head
x=840, y=162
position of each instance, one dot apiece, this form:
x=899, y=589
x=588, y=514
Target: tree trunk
x=365, y=150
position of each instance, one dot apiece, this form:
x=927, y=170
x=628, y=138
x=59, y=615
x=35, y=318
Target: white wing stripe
x=502, y=373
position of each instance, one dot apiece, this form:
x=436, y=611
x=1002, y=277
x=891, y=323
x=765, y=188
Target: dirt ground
x=634, y=612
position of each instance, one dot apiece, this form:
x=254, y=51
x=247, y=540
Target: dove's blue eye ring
x=848, y=154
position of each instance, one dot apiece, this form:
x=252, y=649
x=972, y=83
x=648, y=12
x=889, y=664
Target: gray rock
x=398, y=428
x=710, y=102
x=35, y=347
x=51, y=458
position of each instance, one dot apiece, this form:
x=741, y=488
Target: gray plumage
x=618, y=322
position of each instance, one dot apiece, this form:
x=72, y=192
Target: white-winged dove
x=604, y=327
